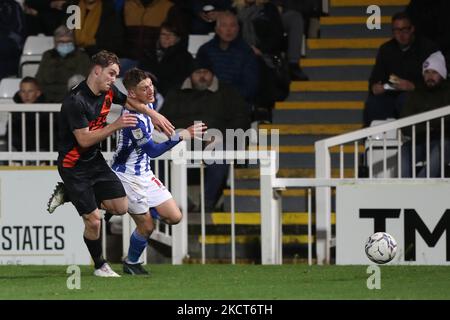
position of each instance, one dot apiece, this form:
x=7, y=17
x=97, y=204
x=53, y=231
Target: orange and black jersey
x=81, y=108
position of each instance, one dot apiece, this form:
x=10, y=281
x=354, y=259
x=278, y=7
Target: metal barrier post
x=178, y=182
x=271, y=234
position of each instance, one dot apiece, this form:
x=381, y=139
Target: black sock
x=108, y=216
x=95, y=249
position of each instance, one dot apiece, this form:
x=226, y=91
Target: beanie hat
x=201, y=64
x=436, y=62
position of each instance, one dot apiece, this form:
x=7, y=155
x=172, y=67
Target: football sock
x=108, y=216
x=137, y=246
x=95, y=249
x=154, y=213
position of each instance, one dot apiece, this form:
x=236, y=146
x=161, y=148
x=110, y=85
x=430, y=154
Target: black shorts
x=89, y=183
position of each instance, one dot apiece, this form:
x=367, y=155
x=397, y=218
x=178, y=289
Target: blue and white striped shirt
x=135, y=146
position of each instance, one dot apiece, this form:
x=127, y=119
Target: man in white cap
x=435, y=93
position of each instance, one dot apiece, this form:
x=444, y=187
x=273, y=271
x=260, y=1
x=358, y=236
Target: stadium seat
x=196, y=41
x=8, y=88
x=32, y=53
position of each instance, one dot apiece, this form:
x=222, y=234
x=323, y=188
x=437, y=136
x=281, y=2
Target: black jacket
x=172, y=69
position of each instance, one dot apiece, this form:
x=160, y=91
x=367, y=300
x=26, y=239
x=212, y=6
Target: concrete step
x=319, y=105
x=336, y=62
x=353, y=27
x=338, y=73
x=305, y=116
x=303, y=156
x=292, y=173
x=317, y=96
x=366, y=3
x=311, y=129
x=295, y=139
x=343, y=43
x=341, y=53
x=389, y=11
x=248, y=200
x=329, y=86
x=254, y=218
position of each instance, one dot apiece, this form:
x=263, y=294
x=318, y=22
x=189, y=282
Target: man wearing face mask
x=59, y=64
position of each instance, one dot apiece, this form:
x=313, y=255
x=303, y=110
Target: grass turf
x=229, y=282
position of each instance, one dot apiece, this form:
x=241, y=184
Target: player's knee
x=93, y=225
x=119, y=208
x=146, y=228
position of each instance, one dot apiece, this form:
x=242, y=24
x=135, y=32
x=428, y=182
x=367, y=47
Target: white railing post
x=271, y=233
x=126, y=234
x=178, y=182
x=323, y=204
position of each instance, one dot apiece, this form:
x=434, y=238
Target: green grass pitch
x=257, y=282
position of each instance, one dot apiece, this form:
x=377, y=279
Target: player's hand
x=126, y=120
x=162, y=124
x=377, y=88
x=195, y=131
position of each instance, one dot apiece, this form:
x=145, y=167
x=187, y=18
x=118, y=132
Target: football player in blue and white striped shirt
x=145, y=192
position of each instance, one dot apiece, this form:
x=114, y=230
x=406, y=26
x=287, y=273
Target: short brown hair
x=104, y=59
x=133, y=76
x=31, y=80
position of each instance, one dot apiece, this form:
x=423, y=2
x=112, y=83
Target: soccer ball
x=381, y=247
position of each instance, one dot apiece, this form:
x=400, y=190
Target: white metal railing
x=271, y=185
x=178, y=159
x=323, y=164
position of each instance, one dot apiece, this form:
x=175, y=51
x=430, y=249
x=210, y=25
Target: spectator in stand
x=294, y=26
x=435, y=93
x=399, y=64
x=263, y=31
x=12, y=37
x=101, y=27
x=170, y=61
x=143, y=19
x=204, y=14
x=431, y=21
x=61, y=63
x=44, y=16
x=203, y=97
x=30, y=92
x=233, y=60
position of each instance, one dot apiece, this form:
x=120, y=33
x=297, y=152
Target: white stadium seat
x=32, y=53
x=9, y=87
x=196, y=41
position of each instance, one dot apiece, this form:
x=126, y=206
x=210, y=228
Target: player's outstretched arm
x=154, y=150
x=159, y=121
x=86, y=138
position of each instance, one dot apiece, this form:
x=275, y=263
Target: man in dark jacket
x=434, y=94
x=203, y=97
x=58, y=65
x=398, y=69
x=233, y=61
